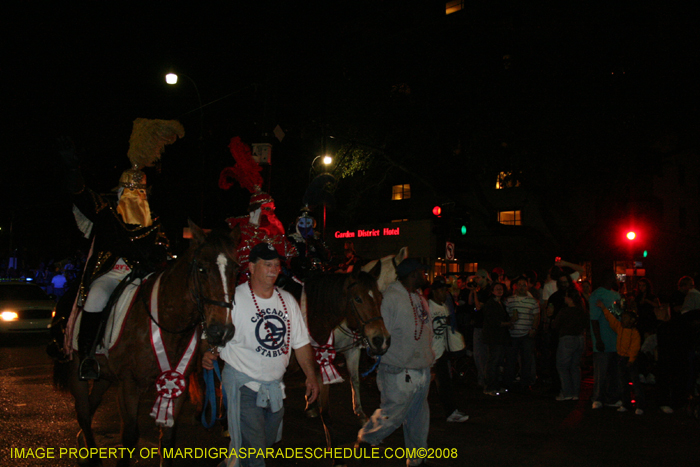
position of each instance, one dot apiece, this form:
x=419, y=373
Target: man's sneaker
x=639, y=412
x=561, y=397
x=651, y=379
x=642, y=379
x=666, y=409
x=622, y=409
x=597, y=405
x=616, y=404
x=575, y=398
x=458, y=417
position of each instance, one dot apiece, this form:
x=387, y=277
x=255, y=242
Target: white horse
x=351, y=344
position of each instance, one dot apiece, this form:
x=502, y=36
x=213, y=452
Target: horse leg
x=129, y=395
x=324, y=410
x=352, y=361
x=86, y=403
x=352, y=357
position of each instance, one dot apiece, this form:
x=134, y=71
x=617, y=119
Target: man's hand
x=305, y=357
x=312, y=390
x=209, y=359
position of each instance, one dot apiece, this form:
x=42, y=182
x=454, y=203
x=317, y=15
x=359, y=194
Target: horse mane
x=327, y=301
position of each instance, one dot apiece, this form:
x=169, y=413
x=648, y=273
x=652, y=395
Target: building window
x=401, y=192
x=470, y=268
x=454, y=6
x=507, y=180
x=510, y=217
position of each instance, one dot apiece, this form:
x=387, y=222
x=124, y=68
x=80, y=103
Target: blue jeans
x=259, y=426
x=569, y=354
x=404, y=400
x=523, y=347
x=606, y=384
x=496, y=354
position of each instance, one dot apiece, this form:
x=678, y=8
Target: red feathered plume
x=246, y=171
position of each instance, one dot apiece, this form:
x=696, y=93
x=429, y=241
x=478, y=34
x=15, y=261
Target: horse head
x=365, y=299
x=212, y=278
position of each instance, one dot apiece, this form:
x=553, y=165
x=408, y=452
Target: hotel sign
x=385, y=232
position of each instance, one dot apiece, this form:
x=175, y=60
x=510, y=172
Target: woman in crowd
x=496, y=337
x=570, y=323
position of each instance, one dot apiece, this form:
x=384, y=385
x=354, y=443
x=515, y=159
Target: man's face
x=419, y=278
x=264, y=272
x=461, y=284
x=439, y=295
x=521, y=288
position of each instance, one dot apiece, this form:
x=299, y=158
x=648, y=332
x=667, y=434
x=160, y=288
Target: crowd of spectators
x=523, y=335
x=54, y=277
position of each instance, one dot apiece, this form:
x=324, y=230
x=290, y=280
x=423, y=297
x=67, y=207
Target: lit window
x=401, y=192
x=506, y=180
x=470, y=267
x=510, y=218
x=453, y=6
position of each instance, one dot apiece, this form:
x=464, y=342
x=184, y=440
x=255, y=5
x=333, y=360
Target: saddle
x=115, y=312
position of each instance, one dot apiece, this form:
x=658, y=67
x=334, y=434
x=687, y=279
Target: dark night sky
x=88, y=69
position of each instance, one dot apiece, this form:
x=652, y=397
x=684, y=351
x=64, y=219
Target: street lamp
x=171, y=79
x=327, y=160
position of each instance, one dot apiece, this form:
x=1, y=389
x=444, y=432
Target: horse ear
x=403, y=254
x=376, y=270
x=198, y=234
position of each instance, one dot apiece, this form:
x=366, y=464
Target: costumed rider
x=269, y=324
x=313, y=255
x=260, y=224
x=126, y=237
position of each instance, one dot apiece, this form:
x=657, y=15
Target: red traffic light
x=437, y=210
x=631, y=235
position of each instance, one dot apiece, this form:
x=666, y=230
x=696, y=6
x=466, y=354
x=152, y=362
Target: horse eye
x=358, y=299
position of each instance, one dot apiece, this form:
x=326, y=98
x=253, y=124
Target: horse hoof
x=312, y=413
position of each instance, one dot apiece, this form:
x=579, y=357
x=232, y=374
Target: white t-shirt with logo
x=262, y=352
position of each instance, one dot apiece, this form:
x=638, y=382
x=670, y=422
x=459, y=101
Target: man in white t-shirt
x=686, y=285
x=268, y=326
x=522, y=334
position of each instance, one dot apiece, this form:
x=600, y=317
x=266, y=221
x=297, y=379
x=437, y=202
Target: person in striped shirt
x=522, y=334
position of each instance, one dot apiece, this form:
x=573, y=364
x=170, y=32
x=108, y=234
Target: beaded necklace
x=423, y=318
x=285, y=348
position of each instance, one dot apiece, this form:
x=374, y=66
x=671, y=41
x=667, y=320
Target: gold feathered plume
x=148, y=140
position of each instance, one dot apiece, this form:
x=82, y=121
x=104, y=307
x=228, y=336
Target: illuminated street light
x=171, y=78
x=327, y=160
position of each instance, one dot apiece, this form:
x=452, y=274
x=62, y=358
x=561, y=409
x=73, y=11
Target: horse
x=384, y=270
x=195, y=292
x=353, y=299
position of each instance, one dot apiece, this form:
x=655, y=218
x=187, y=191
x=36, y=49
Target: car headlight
x=9, y=316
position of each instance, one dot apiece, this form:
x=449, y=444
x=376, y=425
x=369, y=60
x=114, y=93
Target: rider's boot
x=89, y=325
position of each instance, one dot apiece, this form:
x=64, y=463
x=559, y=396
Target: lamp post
x=172, y=78
x=327, y=160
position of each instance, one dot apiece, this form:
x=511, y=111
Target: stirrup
x=89, y=369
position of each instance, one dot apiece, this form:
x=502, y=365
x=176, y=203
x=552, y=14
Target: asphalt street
x=513, y=430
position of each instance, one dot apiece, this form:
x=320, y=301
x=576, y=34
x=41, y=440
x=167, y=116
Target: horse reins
x=363, y=323
x=199, y=299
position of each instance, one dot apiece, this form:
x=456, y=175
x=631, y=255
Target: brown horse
x=195, y=292
x=354, y=298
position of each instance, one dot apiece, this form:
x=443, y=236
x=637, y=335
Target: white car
x=24, y=308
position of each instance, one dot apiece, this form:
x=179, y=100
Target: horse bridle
x=199, y=299
x=363, y=324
